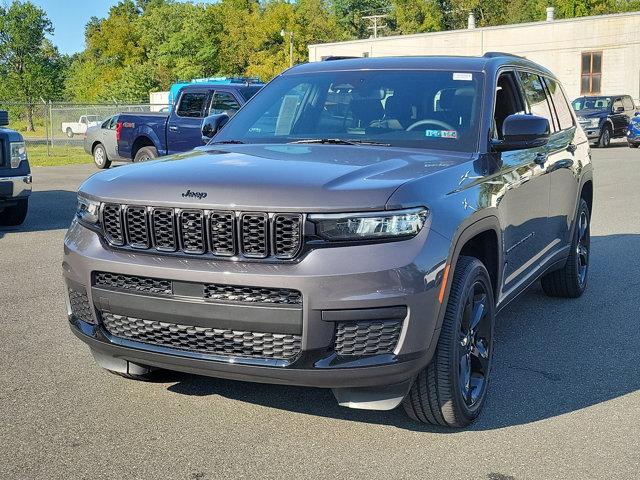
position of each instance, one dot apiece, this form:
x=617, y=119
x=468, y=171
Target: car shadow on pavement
x=48, y=210
x=553, y=356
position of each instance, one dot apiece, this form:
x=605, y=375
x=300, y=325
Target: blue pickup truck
x=15, y=175
x=143, y=136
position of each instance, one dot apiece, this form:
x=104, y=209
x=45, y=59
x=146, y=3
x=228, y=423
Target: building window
x=591, y=76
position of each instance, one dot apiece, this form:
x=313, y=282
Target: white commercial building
x=590, y=55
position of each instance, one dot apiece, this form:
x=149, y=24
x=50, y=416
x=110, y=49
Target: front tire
x=100, y=157
x=452, y=389
x=634, y=145
x=571, y=280
x=15, y=215
x=146, y=153
x=605, y=137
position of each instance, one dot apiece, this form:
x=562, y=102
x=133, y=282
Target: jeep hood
x=306, y=178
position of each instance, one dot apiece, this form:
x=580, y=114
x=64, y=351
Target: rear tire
x=452, y=389
x=146, y=153
x=100, y=157
x=13, y=216
x=69, y=133
x=571, y=280
x=634, y=145
x=605, y=137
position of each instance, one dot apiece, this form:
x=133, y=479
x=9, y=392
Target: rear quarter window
x=560, y=103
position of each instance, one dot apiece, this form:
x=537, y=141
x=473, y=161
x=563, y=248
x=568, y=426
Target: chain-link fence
x=54, y=131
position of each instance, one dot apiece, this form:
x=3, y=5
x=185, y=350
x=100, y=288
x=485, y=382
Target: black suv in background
x=356, y=226
x=15, y=175
x=604, y=117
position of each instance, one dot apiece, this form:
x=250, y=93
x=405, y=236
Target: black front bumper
x=321, y=368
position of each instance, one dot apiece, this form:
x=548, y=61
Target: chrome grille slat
x=253, y=238
x=192, y=234
x=112, y=223
x=219, y=233
x=287, y=235
x=137, y=226
x=163, y=227
x=222, y=231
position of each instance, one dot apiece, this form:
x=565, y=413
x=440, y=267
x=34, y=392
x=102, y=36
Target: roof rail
x=500, y=54
x=337, y=57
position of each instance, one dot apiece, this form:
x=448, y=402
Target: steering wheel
x=437, y=123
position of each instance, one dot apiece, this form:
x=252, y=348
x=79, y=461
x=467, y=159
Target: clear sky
x=69, y=18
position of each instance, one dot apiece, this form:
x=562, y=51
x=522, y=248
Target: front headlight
x=18, y=153
x=369, y=226
x=594, y=122
x=88, y=211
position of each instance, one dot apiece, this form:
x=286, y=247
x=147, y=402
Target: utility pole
x=374, y=23
x=283, y=33
x=46, y=125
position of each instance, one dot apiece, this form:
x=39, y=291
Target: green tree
x=349, y=15
x=30, y=65
x=415, y=16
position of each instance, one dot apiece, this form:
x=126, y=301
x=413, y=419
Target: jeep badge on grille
x=191, y=194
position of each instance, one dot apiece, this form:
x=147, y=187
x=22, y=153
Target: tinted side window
x=223, y=102
x=563, y=113
x=536, y=96
x=191, y=104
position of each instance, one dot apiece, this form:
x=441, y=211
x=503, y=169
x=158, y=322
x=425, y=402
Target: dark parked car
x=145, y=136
x=356, y=226
x=633, y=132
x=604, y=117
x=15, y=175
x=101, y=142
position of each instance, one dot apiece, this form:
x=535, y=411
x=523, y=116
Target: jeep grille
x=204, y=232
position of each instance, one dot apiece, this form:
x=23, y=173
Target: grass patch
x=58, y=155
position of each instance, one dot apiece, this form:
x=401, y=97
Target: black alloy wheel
x=475, y=341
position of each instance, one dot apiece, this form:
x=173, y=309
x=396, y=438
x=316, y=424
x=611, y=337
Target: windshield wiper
x=227, y=142
x=340, y=141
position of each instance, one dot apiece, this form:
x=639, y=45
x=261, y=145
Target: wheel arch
x=141, y=142
x=94, y=145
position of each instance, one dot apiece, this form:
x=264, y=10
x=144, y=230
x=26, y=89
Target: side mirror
x=618, y=110
x=4, y=118
x=212, y=125
x=523, y=131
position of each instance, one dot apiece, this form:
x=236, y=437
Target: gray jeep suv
x=356, y=226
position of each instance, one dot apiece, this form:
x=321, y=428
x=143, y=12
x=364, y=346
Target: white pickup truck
x=80, y=127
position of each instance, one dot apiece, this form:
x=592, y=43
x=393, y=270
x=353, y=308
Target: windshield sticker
x=441, y=133
x=463, y=76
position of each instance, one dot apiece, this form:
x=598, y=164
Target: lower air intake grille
x=233, y=293
x=133, y=283
x=367, y=338
x=213, y=341
x=79, y=301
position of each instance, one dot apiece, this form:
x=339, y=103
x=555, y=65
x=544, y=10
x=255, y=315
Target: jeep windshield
x=592, y=103
x=416, y=108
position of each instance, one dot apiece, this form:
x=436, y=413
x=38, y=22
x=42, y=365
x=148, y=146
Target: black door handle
x=540, y=159
x=571, y=148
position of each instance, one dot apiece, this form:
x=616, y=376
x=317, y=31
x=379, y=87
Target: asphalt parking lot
x=564, y=403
